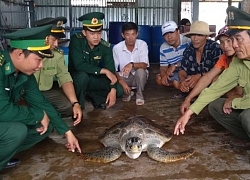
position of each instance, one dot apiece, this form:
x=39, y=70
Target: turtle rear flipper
x=163, y=155
x=105, y=155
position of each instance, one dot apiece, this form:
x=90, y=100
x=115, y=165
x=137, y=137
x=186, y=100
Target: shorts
x=175, y=77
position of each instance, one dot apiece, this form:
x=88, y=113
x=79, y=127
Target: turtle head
x=133, y=147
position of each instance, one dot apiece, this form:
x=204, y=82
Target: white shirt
x=122, y=56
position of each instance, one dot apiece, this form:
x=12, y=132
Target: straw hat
x=199, y=27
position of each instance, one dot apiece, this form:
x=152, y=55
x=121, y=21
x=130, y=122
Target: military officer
x=91, y=64
x=55, y=67
x=24, y=125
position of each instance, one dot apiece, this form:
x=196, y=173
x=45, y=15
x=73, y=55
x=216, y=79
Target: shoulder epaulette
x=2, y=59
x=57, y=49
x=105, y=43
x=79, y=35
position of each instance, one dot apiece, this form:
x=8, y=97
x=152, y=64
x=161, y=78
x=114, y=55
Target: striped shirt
x=169, y=55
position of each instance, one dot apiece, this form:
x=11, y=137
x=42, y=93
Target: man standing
x=25, y=124
x=55, y=67
x=171, y=54
x=233, y=114
x=131, y=62
x=91, y=64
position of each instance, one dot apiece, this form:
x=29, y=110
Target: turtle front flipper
x=105, y=155
x=163, y=155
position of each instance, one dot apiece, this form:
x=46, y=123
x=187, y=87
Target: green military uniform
x=55, y=67
x=85, y=63
x=18, y=122
x=238, y=73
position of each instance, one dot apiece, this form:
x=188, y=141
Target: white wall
x=213, y=13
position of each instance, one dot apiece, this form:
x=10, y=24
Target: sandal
x=139, y=102
x=128, y=97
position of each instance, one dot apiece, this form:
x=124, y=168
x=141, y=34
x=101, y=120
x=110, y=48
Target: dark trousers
x=15, y=137
x=238, y=122
x=60, y=102
x=98, y=87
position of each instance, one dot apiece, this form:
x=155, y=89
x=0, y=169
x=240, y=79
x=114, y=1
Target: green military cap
x=92, y=21
x=237, y=19
x=33, y=39
x=57, y=30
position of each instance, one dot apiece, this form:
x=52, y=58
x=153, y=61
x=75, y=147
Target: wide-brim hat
x=201, y=28
x=57, y=30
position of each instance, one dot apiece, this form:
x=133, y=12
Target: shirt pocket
x=50, y=71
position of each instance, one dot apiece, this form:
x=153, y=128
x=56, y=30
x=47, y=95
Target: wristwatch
x=132, y=64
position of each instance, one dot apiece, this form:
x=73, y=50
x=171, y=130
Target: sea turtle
x=133, y=136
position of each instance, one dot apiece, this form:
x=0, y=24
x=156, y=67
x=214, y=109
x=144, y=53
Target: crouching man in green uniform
x=66, y=101
x=22, y=125
x=91, y=64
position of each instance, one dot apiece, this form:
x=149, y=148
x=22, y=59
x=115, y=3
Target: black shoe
x=90, y=99
x=12, y=163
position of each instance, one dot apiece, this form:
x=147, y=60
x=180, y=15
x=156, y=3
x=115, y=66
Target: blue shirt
x=210, y=56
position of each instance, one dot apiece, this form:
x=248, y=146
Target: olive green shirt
x=91, y=61
x=238, y=73
x=16, y=86
x=53, y=67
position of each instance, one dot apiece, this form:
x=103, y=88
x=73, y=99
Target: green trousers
x=237, y=122
x=98, y=86
x=15, y=137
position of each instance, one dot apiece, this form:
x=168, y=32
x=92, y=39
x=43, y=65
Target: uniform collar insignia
x=85, y=52
x=7, y=68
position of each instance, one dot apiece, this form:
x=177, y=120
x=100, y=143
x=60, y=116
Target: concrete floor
x=214, y=157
